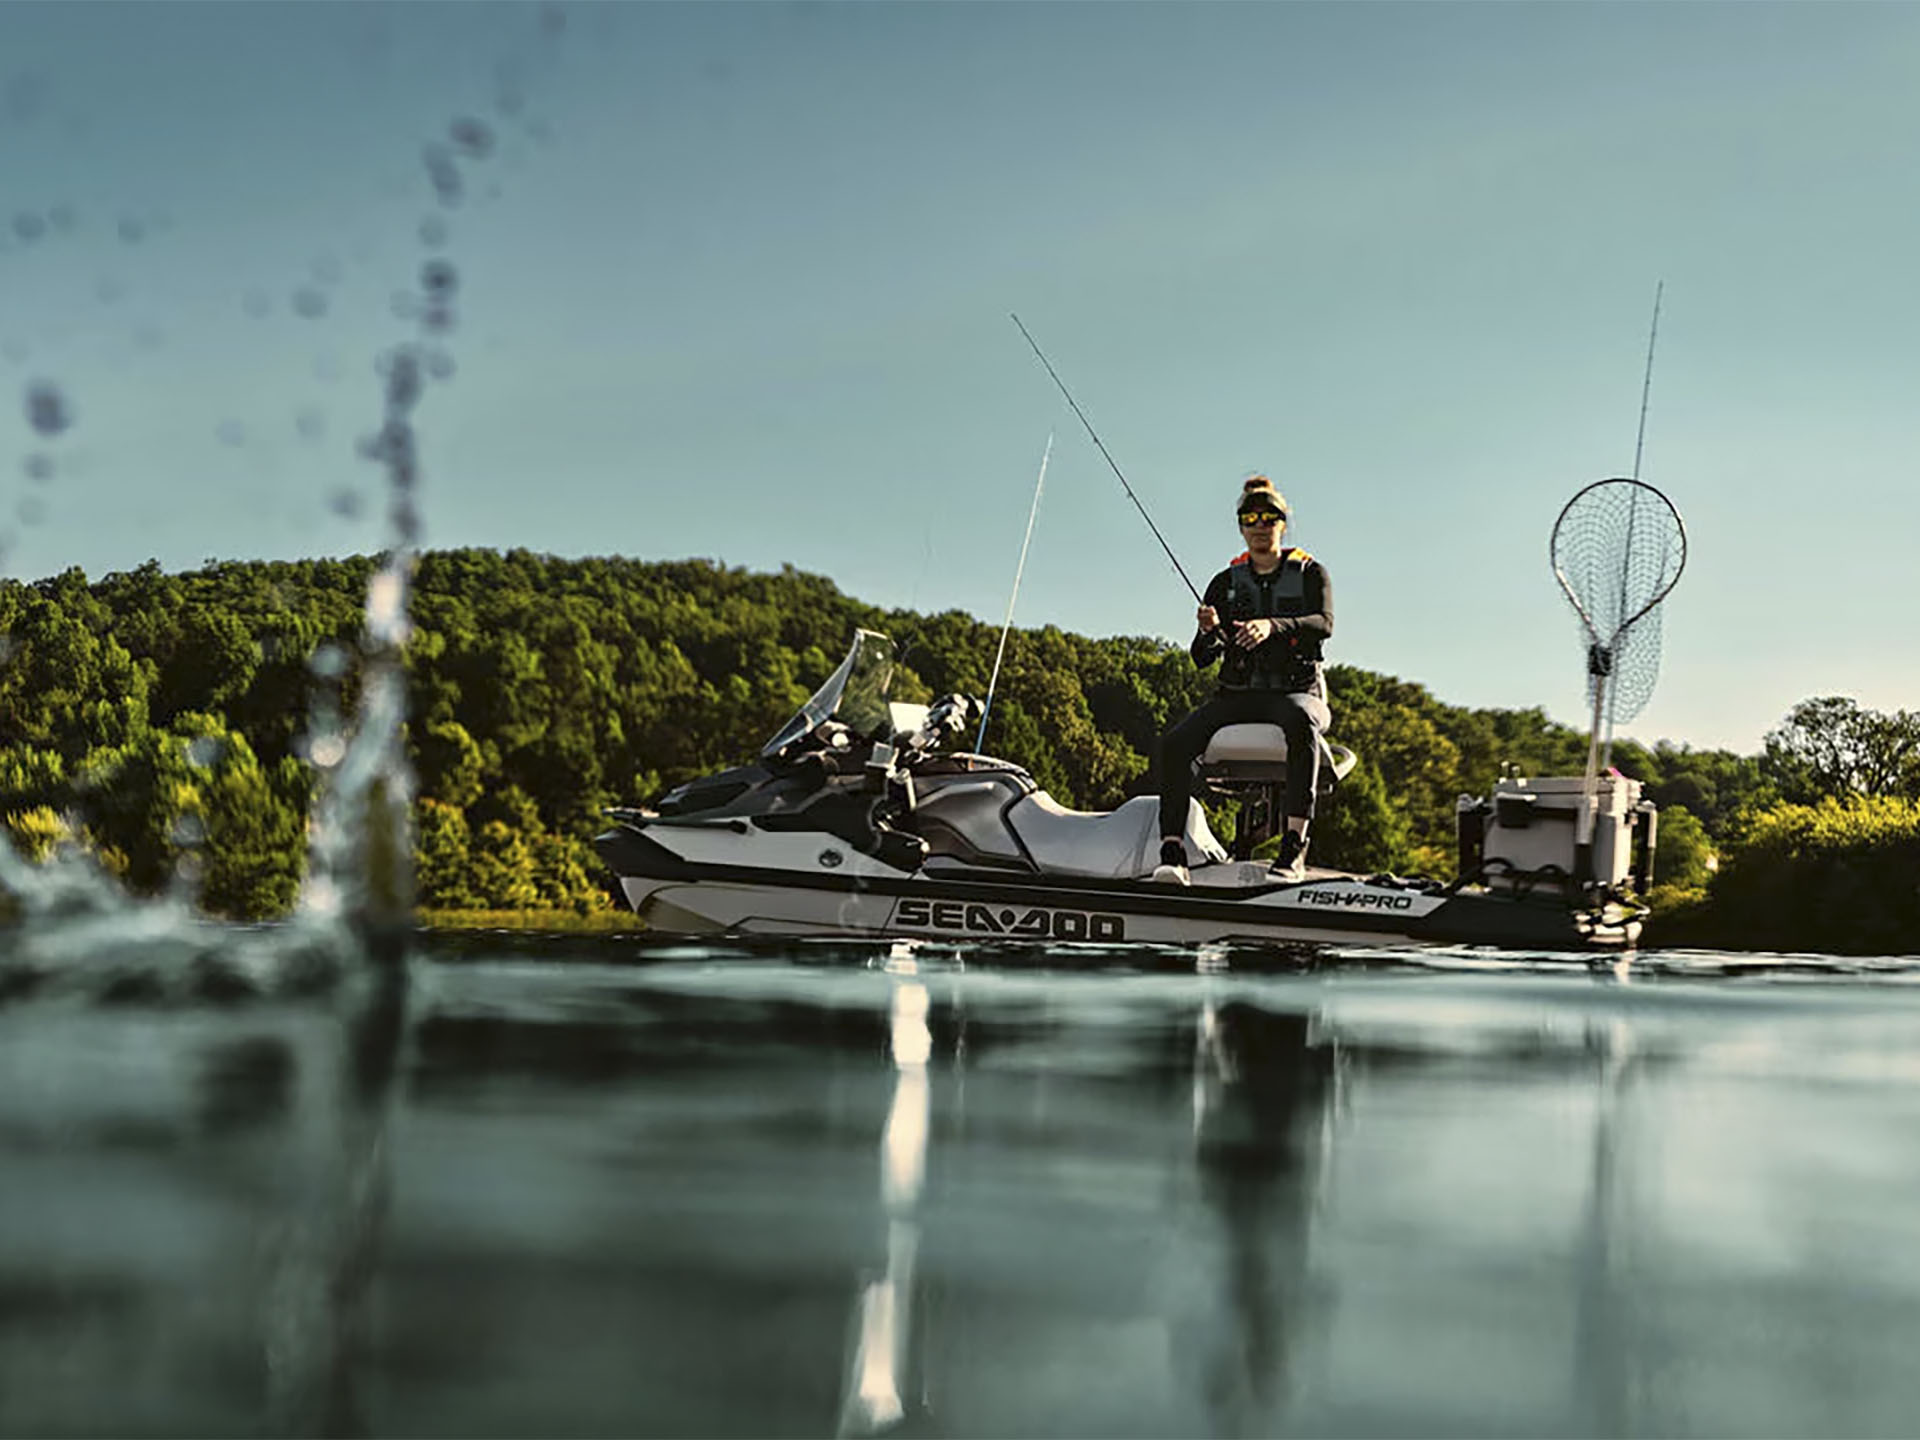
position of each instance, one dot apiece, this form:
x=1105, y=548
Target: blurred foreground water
x=591, y=1187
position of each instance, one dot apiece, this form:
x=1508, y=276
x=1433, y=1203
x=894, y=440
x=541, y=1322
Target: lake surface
x=594, y=1187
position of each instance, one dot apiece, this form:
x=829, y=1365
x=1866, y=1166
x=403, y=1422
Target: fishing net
x=1618, y=549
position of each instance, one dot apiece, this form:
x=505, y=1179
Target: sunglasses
x=1260, y=517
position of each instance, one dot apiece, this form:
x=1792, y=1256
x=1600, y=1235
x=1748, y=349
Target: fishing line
x=980, y=741
x=1094, y=435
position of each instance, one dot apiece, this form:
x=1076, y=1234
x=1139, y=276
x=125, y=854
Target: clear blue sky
x=736, y=284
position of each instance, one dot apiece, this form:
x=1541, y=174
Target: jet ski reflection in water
x=861, y=818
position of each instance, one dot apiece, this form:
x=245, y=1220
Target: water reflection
x=885, y=1322
x=692, y=1198
x=192, y=1214
x=1261, y=1094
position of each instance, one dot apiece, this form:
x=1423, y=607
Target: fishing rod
x=986, y=709
x=1094, y=435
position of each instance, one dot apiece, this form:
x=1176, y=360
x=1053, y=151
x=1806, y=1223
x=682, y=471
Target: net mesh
x=1618, y=548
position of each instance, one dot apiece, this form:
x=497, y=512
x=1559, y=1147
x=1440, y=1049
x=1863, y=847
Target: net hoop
x=1647, y=493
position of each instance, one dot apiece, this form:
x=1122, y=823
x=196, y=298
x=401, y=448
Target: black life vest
x=1291, y=663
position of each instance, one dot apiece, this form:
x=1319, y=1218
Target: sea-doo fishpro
x=860, y=819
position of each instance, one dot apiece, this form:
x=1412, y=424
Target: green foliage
x=1831, y=747
x=1684, y=852
x=37, y=832
x=1835, y=876
x=1717, y=787
x=1359, y=827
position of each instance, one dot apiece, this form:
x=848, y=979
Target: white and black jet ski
x=859, y=820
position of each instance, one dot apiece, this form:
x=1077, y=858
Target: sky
x=735, y=282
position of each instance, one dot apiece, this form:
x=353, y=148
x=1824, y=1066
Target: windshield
x=855, y=694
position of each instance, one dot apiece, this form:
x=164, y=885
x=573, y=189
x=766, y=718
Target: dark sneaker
x=1172, y=869
x=1291, y=862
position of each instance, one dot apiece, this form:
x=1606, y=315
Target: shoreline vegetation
x=161, y=721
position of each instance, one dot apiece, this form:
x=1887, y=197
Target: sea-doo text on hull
x=855, y=821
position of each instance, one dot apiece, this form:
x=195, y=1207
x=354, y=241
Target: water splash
x=73, y=929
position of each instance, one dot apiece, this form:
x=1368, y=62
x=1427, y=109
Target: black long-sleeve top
x=1286, y=659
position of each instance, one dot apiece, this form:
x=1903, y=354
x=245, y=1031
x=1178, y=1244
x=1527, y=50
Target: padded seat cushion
x=1121, y=844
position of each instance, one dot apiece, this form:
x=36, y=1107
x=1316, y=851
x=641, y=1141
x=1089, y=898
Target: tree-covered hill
x=154, y=715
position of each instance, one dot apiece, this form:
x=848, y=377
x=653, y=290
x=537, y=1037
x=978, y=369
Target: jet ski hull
x=729, y=877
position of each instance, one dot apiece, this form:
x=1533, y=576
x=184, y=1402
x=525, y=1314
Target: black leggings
x=1304, y=718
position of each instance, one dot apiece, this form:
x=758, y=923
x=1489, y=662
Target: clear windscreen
x=855, y=694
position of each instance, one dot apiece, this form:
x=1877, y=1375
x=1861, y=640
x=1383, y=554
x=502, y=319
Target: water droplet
x=47, y=410
x=257, y=303
x=437, y=319
x=311, y=423
x=132, y=229
x=444, y=174
x=205, y=751
x=310, y=302
x=403, y=393
x=472, y=138
x=440, y=365
x=386, y=607
x=433, y=232
x=231, y=432
x=439, y=279
x=347, y=504
x=29, y=226
x=31, y=510
x=39, y=468
x=188, y=830
x=328, y=661
x=327, y=751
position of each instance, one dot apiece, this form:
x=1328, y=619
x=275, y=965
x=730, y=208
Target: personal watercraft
x=861, y=818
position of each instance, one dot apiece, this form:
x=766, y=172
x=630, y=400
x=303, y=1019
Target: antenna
x=980, y=741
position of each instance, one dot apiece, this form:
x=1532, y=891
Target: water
x=534, y=1186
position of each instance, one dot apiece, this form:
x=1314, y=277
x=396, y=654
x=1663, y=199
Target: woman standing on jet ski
x=1265, y=618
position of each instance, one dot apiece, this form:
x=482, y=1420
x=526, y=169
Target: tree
x=1684, y=854
x=1358, y=827
x=1832, y=747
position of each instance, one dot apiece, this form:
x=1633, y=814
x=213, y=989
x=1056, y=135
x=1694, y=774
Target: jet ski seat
x=1248, y=763
x=1123, y=844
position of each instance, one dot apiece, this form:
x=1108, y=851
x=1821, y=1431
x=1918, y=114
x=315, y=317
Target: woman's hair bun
x=1259, y=487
